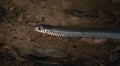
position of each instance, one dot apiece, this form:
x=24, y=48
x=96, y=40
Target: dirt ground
x=18, y=19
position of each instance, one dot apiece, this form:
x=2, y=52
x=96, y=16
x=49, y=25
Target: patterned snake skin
x=81, y=32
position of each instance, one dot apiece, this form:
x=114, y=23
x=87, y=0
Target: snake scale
x=78, y=32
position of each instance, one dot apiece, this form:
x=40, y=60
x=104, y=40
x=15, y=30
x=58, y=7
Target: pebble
x=51, y=53
x=115, y=56
x=77, y=13
x=94, y=40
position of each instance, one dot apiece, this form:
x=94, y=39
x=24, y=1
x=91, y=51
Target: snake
x=113, y=33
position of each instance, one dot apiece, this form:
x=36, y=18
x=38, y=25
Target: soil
x=18, y=19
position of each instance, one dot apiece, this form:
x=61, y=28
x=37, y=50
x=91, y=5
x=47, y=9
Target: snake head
x=41, y=28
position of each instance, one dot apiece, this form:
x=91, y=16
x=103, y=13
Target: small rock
x=50, y=53
x=114, y=56
x=92, y=14
x=94, y=40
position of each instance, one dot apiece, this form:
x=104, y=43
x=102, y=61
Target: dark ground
x=18, y=19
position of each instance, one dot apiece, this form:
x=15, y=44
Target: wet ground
x=18, y=19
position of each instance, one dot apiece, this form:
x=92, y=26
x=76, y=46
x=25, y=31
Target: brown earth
x=18, y=19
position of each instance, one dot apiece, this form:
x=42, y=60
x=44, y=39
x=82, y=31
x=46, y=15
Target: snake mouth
x=37, y=29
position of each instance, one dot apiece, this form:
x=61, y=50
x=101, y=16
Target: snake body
x=78, y=32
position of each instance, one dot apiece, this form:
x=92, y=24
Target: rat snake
x=78, y=32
